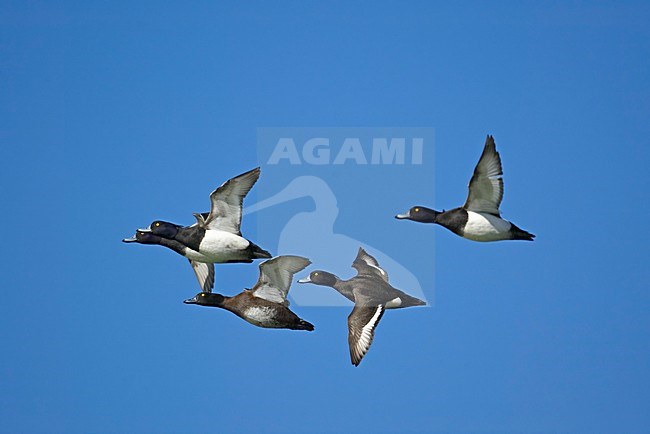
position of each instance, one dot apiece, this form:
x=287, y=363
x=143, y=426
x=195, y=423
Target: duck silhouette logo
x=310, y=233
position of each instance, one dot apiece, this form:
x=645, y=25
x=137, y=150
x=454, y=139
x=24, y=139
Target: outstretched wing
x=366, y=264
x=486, y=185
x=204, y=274
x=227, y=201
x=275, y=277
x=361, y=330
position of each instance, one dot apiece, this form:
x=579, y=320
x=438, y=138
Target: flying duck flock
x=216, y=238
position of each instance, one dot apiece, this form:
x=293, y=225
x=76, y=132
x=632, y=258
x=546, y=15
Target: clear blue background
x=113, y=114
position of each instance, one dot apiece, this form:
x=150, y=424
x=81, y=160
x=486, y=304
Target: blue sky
x=114, y=114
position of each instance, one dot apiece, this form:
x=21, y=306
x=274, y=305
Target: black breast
x=454, y=220
x=176, y=246
x=191, y=236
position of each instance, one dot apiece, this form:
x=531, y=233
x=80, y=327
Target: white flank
x=486, y=227
x=394, y=303
x=221, y=246
x=258, y=314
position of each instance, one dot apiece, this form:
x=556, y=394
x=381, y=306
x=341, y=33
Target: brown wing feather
x=361, y=330
x=366, y=264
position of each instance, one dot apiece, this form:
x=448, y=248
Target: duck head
x=320, y=277
x=206, y=299
x=143, y=237
x=420, y=214
x=162, y=229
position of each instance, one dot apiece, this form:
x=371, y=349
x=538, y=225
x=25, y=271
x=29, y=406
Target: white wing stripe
x=374, y=266
x=367, y=332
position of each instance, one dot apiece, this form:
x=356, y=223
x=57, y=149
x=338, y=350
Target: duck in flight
x=371, y=294
x=266, y=304
x=216, y=236
x=203, y=270
x=479, y=219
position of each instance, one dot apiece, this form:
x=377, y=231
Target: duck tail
x=257, y=252
x=413, y=301
x=303, y=325
x=520, y=234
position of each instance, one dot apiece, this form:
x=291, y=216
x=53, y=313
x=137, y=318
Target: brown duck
x=371, y=294
x=266, y=304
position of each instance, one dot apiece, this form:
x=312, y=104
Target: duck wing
x=275, y=277
x=368, y=265
x=361, y=330
x=200, y=219
x=227, y=200
x=486, y=185
x=204, y=274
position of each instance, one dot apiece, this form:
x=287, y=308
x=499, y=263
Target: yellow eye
x=157, y=224
x=315, y=274
x=417, y=209
x=202, y=295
